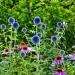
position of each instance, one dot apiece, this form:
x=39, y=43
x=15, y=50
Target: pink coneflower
x=58, y=60
x=6, y=52
x=60, y=71
x=72, y=56
x=22, y=43
x=25, y=49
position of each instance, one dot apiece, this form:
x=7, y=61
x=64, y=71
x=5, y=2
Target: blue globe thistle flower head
x=59, y=24
x=35, y=39
x=15, y=25
x=37, y=20
x=11, y=20
x=39, y=34
x=62, y=52
x=53, y=38
x=24, y=30
x=43, y=26
x=23, y=54
x=3, y=26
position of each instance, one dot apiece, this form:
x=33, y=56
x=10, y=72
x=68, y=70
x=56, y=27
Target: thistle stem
x=6, y=41
x=37, y=54
x=15, y=37
x=27, y=40
x=11, y=37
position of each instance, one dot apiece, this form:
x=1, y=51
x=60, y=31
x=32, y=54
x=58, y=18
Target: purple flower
x=15, y=25
x=68, y=56
x=59, y=24
x=25, y=49
x=11, y=20
x=60, y=71
x=71, y=57
x=37, y=20
x=6, y=52
x=35, y=39
x=58, y=60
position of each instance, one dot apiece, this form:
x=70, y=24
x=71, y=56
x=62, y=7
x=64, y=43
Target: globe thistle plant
x=59, y=24
x=37, y=20
x=39, y=34
x=35, y=39
x=43, y=26
x=53, y=38
x=62, y=52
x=11, y=20
x=15, y=25
x=3, y=27
x=24, y=30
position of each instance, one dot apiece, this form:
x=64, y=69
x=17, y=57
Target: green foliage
x=50, y=12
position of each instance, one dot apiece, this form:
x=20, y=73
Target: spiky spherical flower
x=37, y=20
x=62, y=52
x=3, y=26
x=59, y=24
x=15, y=25
x=23, y=54
x=53, y=38
x=43, y=26
x=39, y=34
x=24, y=30
x=35, y=39
x=11, y=20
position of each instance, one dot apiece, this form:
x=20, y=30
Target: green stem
x=37, y=58
x=36, y=28
x=27, y=40
x=11, y=37
x=6, y=41
x=15, y=37
x=37, y=54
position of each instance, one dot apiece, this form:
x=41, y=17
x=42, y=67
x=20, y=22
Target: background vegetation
x=50, y=12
